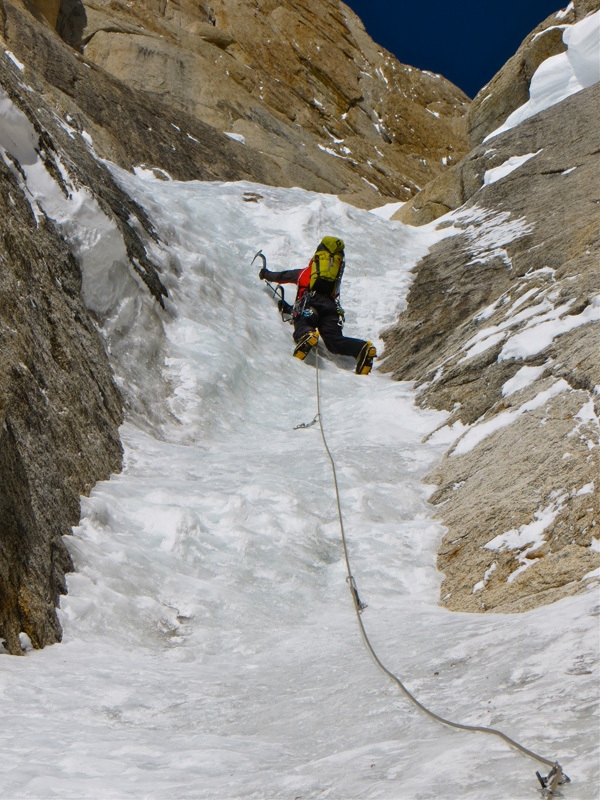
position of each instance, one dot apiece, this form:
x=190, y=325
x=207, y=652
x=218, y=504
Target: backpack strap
x=338, y=283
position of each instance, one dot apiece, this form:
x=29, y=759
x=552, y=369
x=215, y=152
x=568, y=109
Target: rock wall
x=301, y=82
x=130, y=128
x=59, y=410
x=515, y=294
x=507, y=91
x=59, y=407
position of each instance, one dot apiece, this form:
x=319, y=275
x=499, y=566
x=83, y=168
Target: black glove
x=284, y=307
x=263, y=273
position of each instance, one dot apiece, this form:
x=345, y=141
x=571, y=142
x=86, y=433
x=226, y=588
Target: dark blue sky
x=466, y=41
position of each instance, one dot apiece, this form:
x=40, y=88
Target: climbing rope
x=556, y=777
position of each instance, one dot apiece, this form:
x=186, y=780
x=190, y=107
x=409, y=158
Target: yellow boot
x=364, y=360
x=306, y=344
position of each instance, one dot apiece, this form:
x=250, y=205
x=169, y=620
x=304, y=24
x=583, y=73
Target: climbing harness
x=301, y=307
x=556, y=777
x=285, y=308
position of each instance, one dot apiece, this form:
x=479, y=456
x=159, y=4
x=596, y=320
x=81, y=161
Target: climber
x=317, y=308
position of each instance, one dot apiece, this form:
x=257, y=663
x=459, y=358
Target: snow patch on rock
x=237, y=137
x=477, y=433
x=562, y=75
x=541, y=332
x=513, y=163
x=523, y=378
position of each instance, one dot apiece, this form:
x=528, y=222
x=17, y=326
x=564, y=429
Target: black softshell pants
x=320, y=313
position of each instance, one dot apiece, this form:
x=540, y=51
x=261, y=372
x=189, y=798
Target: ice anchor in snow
x=555, y=778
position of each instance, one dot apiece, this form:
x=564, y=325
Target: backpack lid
x=332, y=244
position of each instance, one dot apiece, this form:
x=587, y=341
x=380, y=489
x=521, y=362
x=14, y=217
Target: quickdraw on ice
x=552, y=781
x=304, y=425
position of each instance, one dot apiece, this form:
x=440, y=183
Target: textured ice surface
x=210, y=646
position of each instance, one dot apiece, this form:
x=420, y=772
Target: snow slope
x=210, y=646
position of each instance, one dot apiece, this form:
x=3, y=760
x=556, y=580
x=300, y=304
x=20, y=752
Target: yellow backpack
x=327, y=266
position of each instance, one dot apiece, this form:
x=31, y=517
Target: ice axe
x=278, y=292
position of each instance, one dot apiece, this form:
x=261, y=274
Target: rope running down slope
x=358, y=608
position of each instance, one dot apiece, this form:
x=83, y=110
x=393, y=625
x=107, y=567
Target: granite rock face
x=60, y=411
x=509, y=88
x=303, y=83
x=507, y=91
x=526, y=258
x=130, y=128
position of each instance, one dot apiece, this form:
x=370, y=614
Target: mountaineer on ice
x=317, y=309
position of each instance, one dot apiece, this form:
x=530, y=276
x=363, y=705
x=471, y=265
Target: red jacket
x=303, y=281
